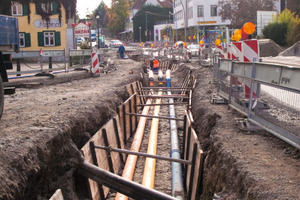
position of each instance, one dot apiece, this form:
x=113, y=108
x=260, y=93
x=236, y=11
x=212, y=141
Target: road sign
x=81, y=30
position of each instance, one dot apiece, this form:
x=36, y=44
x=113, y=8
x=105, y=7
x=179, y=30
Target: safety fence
x=29, y=63
x=268, y=94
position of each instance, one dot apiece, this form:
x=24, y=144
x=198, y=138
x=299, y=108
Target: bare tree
x=241, y=11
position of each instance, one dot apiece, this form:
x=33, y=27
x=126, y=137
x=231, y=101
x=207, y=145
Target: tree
x=154, y=14
x=241, y=11
x=102, y=9
x=117, y=14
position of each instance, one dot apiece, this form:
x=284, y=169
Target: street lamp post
x=98, y=37
x=175, y=24
x=185, y=20
x=140, y=34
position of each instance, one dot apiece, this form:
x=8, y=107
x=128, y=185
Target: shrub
x=277, y=32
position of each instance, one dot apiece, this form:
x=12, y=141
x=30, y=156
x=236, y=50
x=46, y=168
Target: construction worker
x=121, y=51
x=155, y=66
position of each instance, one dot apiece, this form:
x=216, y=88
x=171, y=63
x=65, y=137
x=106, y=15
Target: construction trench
x=216, y=158
x=146, y=124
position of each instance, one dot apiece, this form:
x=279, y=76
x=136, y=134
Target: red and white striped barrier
x=229, y=51
x=237, y=51
x=95, y=63
x=220, y=50
x=201, y=49
x=250, y=50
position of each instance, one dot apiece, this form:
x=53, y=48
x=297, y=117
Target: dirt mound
x=268, y=48
x=292, y=51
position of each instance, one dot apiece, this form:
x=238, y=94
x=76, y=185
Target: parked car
x=80, y=40
x=179, y=44
x=193, y=50
x=115, y=43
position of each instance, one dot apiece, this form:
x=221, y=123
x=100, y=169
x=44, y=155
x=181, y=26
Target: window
x=49, y=39
x=213, y=10
x=16, y=8
x=22, y=39
x=47, y=7
x=200, y=11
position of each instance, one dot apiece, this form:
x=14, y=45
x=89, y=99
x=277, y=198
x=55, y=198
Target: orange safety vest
x=155, y=63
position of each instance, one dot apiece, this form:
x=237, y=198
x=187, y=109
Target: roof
x=138, y=4
x=166, y=3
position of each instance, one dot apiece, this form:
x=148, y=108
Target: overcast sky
x=84, y=6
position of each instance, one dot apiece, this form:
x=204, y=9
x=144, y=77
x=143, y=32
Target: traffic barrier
x=219, y=49
x=250, y=50
x=95, y=64
x=237, y=51
x=229, y=51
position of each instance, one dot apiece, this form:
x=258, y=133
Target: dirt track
x=42, y=130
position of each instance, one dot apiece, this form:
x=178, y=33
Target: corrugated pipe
x=177, y=183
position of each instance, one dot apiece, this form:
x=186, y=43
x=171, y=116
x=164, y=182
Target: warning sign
x=81, y=30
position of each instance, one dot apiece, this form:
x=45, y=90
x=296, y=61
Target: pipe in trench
x=135, y=146
x=177, y=183
x=149, y=170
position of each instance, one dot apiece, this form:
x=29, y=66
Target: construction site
x=185, y=131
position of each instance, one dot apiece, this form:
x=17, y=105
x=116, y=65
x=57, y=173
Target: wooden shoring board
x=193, y=172
x=143, y=100
x=134, y=86
x=126, y=108
x=174, y=67
x=101, y=155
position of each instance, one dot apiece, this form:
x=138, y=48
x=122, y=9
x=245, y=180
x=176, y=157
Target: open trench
x=56, y=163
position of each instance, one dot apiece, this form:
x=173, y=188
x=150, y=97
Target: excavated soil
x=42, y=130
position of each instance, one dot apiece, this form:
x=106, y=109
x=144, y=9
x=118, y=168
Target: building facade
x=201, y=15
x=39, y=32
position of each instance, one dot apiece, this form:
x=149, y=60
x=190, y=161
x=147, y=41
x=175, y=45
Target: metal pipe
x=149, y=170
x=143, y=154
x=151, y=116
x=177, y=183
x=119, y=184
x=135, y=146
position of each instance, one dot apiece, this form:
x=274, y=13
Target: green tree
x=102, y=10
x=146, y=18
x=117, y=15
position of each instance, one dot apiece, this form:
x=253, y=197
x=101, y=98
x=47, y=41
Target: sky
x=84, y=6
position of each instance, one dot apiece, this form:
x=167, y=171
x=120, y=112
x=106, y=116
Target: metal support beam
x=183, y=96
x=164, y=104
x=144, y=154
x=120, y=184
x=151, y=116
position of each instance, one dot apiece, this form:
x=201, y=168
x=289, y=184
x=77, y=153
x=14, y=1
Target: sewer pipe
x=135, y=146
x=149, y=170
x=177, y=183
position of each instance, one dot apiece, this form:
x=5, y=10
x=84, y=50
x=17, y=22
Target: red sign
x=81, y=30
